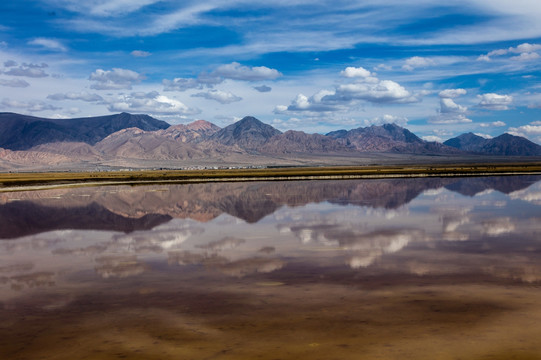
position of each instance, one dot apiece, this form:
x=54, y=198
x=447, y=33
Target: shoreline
x=10, y=182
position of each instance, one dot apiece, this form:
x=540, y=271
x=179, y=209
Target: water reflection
x=279, y=269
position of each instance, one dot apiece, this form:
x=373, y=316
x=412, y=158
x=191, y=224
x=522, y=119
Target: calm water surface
x=435, y=268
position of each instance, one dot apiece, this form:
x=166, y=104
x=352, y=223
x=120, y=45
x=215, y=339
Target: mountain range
x=124, y=139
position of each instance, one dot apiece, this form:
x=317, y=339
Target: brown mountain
x=193, y=132
x=135, y=143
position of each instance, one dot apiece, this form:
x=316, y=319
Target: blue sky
x=316, y=66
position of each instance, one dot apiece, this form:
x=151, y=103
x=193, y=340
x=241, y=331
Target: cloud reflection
x=498, y=226
x=236, y=268
x=120, y=266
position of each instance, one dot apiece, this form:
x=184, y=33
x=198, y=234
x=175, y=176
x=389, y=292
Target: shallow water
x=402, y=268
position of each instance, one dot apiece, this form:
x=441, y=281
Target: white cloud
x=233, y=71
x=151, y=102
x=417, y=62
x=140, y=53
x=447, y=105
x=525, y=48
x=181, y=84
x=50, y=44
x=494, y=123
x=526, y=56
x=16, y=83
x=364, y=87
x=452, y=93
x=222, y=97
x=84, y=96
x=384, y=91
x=104, y=8
x=309, y=104
x=32, y=105
x=451, y=118
x=494, y=101
x=236, y=71
x=486, y=136
x=526, y=52
x=114, y=79
x=359, y=72
x=525, y=130
x=387, y=119
x=432, y=138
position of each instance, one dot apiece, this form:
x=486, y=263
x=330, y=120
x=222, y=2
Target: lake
x=425, y=268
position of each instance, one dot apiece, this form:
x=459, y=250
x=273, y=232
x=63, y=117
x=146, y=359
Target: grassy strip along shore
x=10, y=180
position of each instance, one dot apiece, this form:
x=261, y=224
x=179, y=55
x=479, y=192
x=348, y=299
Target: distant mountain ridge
x=22, y=132
x=505, y=144
x=31, y=141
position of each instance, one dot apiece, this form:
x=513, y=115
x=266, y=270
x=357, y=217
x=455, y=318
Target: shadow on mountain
x=24, y=218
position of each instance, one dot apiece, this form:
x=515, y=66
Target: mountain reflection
x=188, y=265
x=127, y=209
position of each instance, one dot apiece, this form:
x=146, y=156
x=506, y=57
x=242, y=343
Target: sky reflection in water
x=275, y=269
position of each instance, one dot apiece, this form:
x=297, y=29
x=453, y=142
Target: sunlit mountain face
x=274, y=269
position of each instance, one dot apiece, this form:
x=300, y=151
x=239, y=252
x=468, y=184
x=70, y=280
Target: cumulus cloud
x=151, y=102
x=450, y=112
x=531, y=131
x=140, y=53
x=49, y=44
x=492, y=101
x=432, y=138
x=417, y=62
x=526, y=56
x=364, y=87
x=447, y=105
x=494, y=123
x=32, y=106
x=451, y=118
x=358, y=72
x=16, y=83
x=315, y=103
x=114, y=79
x=27, y=70
x=263, y=88
x=452, y=93
x=233, y=71
x=526, y=52
x=84, y=96
x=10, y=63
x=387, y=119
x=223, y=97
x=181, y=84
x=236, y=71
